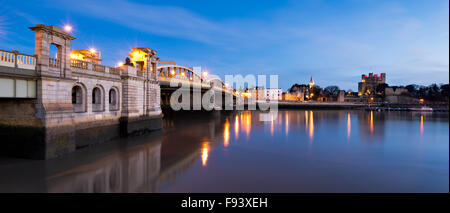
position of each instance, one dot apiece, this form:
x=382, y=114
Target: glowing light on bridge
x=68, y=28
x=246, y=94
x=119, y=64
x=76, y=56
x=205, y=151
x=205, y=74
x=94, y=52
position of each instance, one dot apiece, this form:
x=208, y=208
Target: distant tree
x=445, y=91
x=317, y=92
x=331, y=90
x=413, y=89
x=433, y=92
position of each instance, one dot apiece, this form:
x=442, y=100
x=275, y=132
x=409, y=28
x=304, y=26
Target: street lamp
x=68, y=28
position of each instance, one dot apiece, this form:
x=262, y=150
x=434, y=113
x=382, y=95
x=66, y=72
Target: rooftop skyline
x=334, y=42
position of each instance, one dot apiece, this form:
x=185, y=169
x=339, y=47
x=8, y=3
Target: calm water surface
x=299, y=151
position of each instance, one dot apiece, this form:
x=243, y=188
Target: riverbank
x=360, y=106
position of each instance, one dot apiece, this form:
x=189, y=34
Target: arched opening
x=97, y=103
x=54, y=56
x=113, y=99
x=77, y=99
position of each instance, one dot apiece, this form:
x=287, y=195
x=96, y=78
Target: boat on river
x=424, y=108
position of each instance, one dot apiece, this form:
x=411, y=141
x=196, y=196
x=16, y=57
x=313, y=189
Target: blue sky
x=333, y=41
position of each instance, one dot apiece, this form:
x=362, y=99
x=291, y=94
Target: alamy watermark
x=211, y=93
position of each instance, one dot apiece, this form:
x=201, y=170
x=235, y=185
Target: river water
x=297, y=151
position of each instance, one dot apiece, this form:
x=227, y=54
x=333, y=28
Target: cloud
x=300, y=39
x=162, y=20
x=29, y=18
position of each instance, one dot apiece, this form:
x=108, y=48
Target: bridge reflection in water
x=243, y=154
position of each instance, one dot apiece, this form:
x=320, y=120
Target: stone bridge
x=50, y=106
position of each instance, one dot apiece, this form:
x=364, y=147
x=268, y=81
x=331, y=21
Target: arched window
x=97, y=103
x=78, y=102
x=113, y=99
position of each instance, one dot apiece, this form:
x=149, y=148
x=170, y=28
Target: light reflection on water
x=349, y=126
x=299, y=151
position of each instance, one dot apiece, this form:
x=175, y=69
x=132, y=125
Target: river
x=297, y=151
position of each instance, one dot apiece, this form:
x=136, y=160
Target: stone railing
x=114, y=71
x=15, y=59
x=139, y=73
x=54, y=62
x=79, y=64
x=98, y=67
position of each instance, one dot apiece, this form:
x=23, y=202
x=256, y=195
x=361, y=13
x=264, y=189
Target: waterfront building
x=368, y=84
x=397, y=95
x=273, y=94
x=262, y=93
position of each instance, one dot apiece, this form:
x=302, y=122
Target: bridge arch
x=79, y=97
x=114, y=99
x=98, y=98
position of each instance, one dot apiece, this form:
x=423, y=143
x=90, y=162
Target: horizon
x=334, y=42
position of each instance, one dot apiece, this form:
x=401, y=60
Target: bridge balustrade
x=79, y=64
x=98, y=68
x=14, y=59
x=54, y=62
x=26, y=61
x=114, y=71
